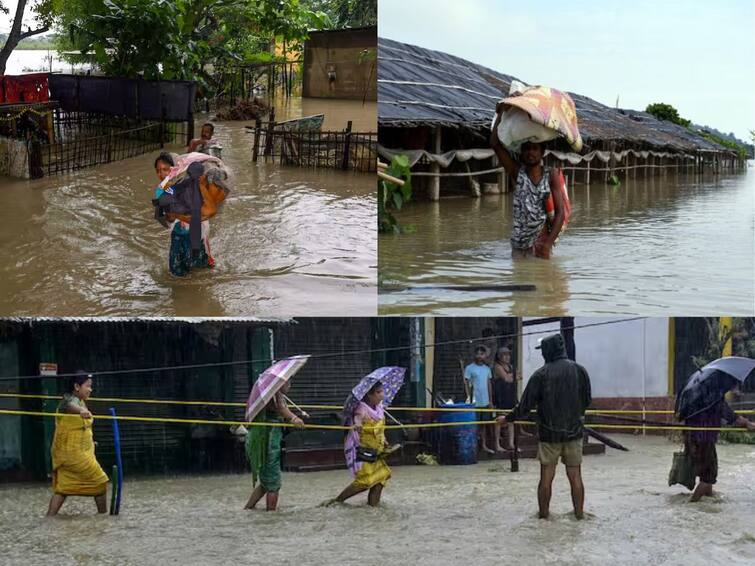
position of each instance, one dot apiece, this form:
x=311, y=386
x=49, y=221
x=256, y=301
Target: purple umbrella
x=391, y=377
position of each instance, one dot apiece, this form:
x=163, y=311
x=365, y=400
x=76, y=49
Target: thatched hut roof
x=422, y=87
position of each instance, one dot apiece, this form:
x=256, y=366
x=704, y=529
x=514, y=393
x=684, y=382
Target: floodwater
x=287, y=241
x=481, y=514
x=22, y=61
x=660, y=246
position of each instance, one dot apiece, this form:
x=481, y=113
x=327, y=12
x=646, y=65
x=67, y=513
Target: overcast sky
x=695, y=55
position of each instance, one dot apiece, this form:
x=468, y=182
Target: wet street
x=481, y=514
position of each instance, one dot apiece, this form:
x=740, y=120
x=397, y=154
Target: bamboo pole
x=435, y=168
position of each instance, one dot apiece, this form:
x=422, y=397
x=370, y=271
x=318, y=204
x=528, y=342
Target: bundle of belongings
x=193, y=191
x=539, y=114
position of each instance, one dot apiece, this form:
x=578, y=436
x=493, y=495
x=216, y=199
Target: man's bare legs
x=574, y=473
x=544, y=489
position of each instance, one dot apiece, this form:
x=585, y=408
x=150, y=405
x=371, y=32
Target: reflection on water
x=655, y=246
x=481, y=514
x=337, y=112
x=287, y=241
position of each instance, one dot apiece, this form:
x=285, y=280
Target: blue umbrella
x=708, y=385
x=391, y=377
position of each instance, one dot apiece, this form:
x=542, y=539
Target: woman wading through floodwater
x=75, y=470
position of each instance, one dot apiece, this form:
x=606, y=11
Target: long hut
x=437, y=109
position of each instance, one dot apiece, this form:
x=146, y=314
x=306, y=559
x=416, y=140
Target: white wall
x=625, y=359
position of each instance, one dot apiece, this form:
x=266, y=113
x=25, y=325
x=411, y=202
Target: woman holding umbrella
x=267, y=408
x=366, y=447
x=702, y=404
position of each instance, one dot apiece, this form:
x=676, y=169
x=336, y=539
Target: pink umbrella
x=270, y=382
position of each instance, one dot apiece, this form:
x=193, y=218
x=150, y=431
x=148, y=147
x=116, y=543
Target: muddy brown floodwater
x=287, y=241
x=481, y=514
x=661, y=246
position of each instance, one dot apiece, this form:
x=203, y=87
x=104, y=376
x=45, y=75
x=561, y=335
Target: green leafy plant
x=184, y=39
x=391, y=196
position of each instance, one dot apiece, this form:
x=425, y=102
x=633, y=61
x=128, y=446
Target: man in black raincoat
x=560, y=390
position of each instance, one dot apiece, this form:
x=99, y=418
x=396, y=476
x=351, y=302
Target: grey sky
x=5, y=20
x=692, y=54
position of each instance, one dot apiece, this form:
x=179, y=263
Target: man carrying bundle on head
x=523, y=121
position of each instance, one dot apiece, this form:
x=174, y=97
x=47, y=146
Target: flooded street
x=657, y=246
x=287, y=240
x=451, y=515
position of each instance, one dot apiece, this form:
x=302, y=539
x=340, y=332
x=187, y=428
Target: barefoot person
x=533, y=185
x=263, y=450
x=701, y=444
x=504, y=394
x=180, y=258
x=75, y=470
x=366, y=448
x=560, y=390
x=479, y=389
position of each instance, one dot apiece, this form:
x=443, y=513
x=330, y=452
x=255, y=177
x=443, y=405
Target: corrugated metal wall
x=103, y=346
x=328, y=380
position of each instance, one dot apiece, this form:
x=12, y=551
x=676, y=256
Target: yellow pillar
x=724, y=327
x=429, y=358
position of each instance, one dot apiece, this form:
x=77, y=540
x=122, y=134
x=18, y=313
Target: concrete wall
x=341, y=52
x=14, y=158
x=625, y=360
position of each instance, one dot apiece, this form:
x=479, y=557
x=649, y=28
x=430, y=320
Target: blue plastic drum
x=458, y=444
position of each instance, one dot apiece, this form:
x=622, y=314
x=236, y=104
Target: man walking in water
x=532, y=186
x=560, y=390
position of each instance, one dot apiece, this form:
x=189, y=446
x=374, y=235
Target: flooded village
x=297, y=134
x=642, y=191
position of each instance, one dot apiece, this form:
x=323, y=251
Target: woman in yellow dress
x=75, y=470
x=366, y=442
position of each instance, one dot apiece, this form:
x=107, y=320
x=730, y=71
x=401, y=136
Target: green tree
x=666, y=112
x=43, y=10
x=180, y=39
x=348, y=13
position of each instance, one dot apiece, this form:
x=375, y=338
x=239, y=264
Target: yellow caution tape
x=167, y=420
x=339, y=407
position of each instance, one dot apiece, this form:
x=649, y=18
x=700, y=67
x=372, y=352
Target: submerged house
x=438, y=109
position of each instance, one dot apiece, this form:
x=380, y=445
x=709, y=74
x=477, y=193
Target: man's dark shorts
x=704, y=459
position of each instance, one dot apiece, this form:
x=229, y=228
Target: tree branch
x=31, y=32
